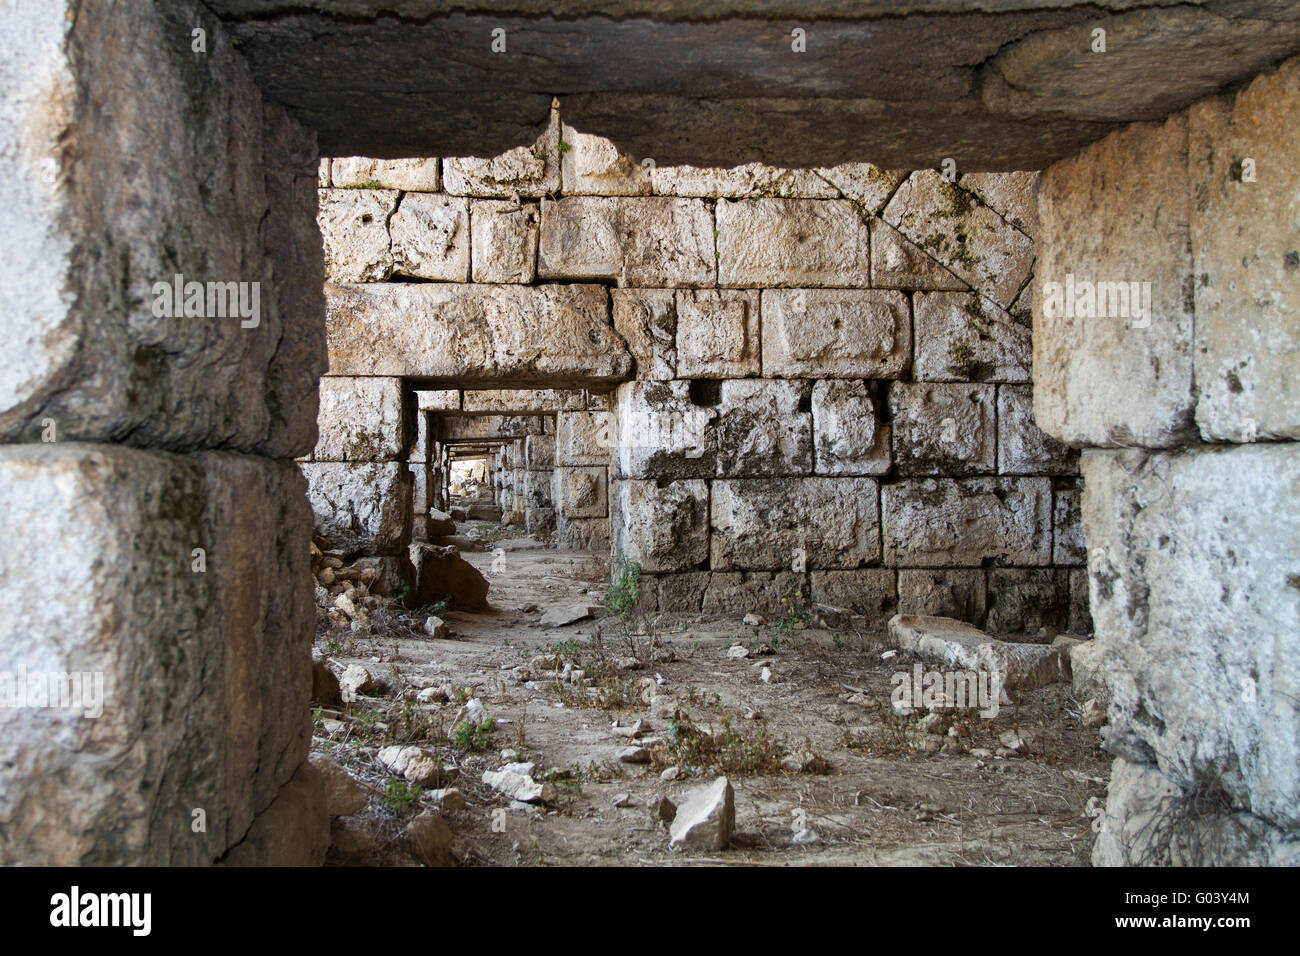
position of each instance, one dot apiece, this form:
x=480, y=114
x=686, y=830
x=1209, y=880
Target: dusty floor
x=883, y=800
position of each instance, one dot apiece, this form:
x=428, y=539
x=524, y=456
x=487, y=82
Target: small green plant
x=792, y=615
x=624, y=591
x=399, y=796
x=565, y=147
x=475, y=738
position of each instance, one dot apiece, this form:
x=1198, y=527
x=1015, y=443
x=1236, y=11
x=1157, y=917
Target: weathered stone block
x=362, y=419
x=1246, y=259
x=1117, y=214
x=642, y=241
x=963, y=337
x=440, y=400
x=430, y=237
x=943, y=429
x=847, y=436
x=776, y=524
x=1010, y=195
x=582, y=534
x=523, y=171
x=662, y=525
x=962, y=233
x=361, y=507
x=593, y=166
x=504, y=240
x=865, y=184
x=539, y=451
x=810, y=333
x=539, y=520
x=661, y=433
x=1194, y=561
x=354, y=227
x=899, y=263
x=583, y=438
x=458, y=427
x=1080, y=609
x=1021, y=600
x=546, y=335
x=1067, y=525
x=717, y=334
x=932, y=522
x=792, y=242
x=647, y=319
x=871, y=592
x=412, y=175
x=521, y=401
x=763, y=429
x=748, y=181
x=743, y=591
x=581, y=492
x=538, y=487
x=957, y=593
x=1023, y=447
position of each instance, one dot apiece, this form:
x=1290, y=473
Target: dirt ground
x=872, y=789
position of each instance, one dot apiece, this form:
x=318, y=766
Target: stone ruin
x=1013, y=343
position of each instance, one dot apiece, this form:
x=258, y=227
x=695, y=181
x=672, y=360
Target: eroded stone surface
x=430, y=237
x=961, y=337
x=361, y=419
x=1023, y=447
x=839, y=334
x=664, y=526
x=647, y=320
x=504, y=240
x=935, y=523
x=361, y=507
x=947, y=429
x=792, y=242
x=848, y=437
x=717, y=334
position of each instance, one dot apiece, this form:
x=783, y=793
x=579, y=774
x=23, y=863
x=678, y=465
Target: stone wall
x=1190, y=412
x=822, y=378
x=154, y=527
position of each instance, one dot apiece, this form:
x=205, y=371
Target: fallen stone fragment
x=325, y=689
x=635, y=730
x=436, y=627
x=662, y=811
x=355, y=680
x=472, y=713
x=706, y=820
x=1024, y=666
x=441, y=574
x=805, y=762
x=515, y=781
x=634, y=755
x=447, y=799
x=670, y=774
x=422, y=767
x=1094, y=713
x=737, y=651
x=805, y=837
x=962, y=646
x=622, y=664
x=429, y=838
x=753, y=620
x=566, y=614
x=440, y=524
x=624, y=801
x=342, y=794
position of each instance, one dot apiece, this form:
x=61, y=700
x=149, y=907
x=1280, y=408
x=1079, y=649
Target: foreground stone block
x=871, y=592
x=503, y=237
x=792, y=242
x=412, y=175
x=441, y=574
x=362, y=419
x=354, y=227
x=593, y=166
x=777, y=524
x=762, y=429
x=1203, y=679
x=664, y=527
x=647, y=320
x=546, y=335
x=847, y=436
x=581, y=492
x=1023, y=447
x=961, y=337
x=717, y=334
x=662, y=433
x=811, y=333
x=706, y=820
x=929, y=522
x=955, y=592
x=943, y=429
x=644, y=241
x=361, y=507
x=430, y=237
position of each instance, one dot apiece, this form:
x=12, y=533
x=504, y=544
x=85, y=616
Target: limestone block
x=871, y=592
x=661, y=433
x=546, y=335
x=1067, y=525
x=899, y=263
x=739, y=592
x=865, y=184
x=430, y=237
x=944, y=429
x=1118, y=214
x=504, y=240
x=1246, y=259
x=1194, y=560
x=751, y=180
x=539, y=520
x=1024, y=448
x=640, y=241
x=539, y=451
x=663, y=526
x=361, y=507
x=592, y=166
x=460, y=427
x=441, y=574
x=932, y=522
x=583, y=438
x=440, y=400
x=523, y=171
x=792, y=242
x=581, y=492
x=1010, y=195
x=1021, y=600
x=1080, y=609
x=793, y=523
x=362, y=419
x=521, y=401
x=812, y=333
x=354, y=227
x=717, y=334
x=763, y=429
x=293, y=831
x=537, y=488
x=323, y=173
x=965, y=235
x=196, y=668
x=848, y=438
x=963, y=337
x=582, y=534
x=647, y=320
x=673, y=592
x=411, y=175
x=959, y=593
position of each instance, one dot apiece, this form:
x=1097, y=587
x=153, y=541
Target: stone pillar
x=1178, y=367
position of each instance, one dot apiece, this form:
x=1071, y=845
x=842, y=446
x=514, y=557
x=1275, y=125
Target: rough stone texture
x=1194, y=573
x=1021, y=600
x=581, y=492
x=361, y=507
x=413, y=175
x=849, y=334
x=593, y=166
x=935, y=523
x=661, y=433
x=583, y=438
x=1010, y=195
x=362, y=419
x=1024, y=448
x=539, y=451
x=1080, y=608
x=521, y=401
x=871, y=592
x=546, y=335
x=354, y=227
x=442, y=574
x=955, y=593
x=1067, y=525
x=962, y=337
x=214, y=720
x=522, y=171
x=962, y=233
x=781, y=524
x=87, y=235
x=481, y=427
x=647, y=320
x=740, y=591
x=717, y=334
x=431, y=237
x=583, y=534
x=504, y=240
x=848, y=438
x=763, y=429
x=1118, y=212
x=899, y=263
x=1246, y=259
x=662, y=525
x=750, y=181
x=792, y=242
x=943, y=429
x=641, y=241
x=865, y=184
x=293, y=831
